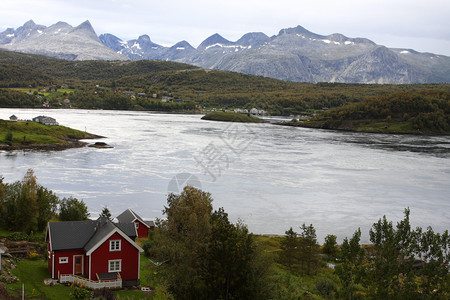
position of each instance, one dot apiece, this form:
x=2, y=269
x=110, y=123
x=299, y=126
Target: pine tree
x=290, y=246
x=309, y=249
x=106, y=214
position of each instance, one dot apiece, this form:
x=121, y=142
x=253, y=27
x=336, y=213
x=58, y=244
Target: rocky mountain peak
x=29, y=24
x=213, y=40
x=111, y=41
x=299, y=30
x=86, y=28
x=182, y=44
x=144, y=38
x=253, y=39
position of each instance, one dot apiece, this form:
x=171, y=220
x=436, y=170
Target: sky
x=413, y=24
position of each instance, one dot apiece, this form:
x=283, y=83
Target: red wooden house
x=94, y=250
x=142, y=227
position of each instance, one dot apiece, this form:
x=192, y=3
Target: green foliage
x=309, y=249
x=206, y=256
x=196, y=86
x=18, y=236
x=326, y=287
x=349, y=271
x=424, y=111
x=390, y=269
x=13, y=99
x=32, y=273
x=72, y=209
x=26, y=205
x=26, y=133
x=290, y=256
x=232, y=117
x=330, y=246
x=80, y=293
x=106, y=214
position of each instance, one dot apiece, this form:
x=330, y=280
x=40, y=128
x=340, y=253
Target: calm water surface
x=271, y=177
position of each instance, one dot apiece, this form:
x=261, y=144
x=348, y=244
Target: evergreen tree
x=309, y=249
x=330, y=247
x=390, y=273
x=349, y=271
x=106, y=214
x=290, y=246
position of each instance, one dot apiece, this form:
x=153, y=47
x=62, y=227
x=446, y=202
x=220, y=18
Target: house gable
x=142, y=227
x=91, y=248
x=116, y=251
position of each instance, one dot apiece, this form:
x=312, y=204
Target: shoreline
x=71, y=143
x=363, y=131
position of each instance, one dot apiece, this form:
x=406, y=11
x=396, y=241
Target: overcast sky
x=416, y=24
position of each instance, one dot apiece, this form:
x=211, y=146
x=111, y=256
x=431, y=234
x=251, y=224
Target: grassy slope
x=232, y=117
x=32, y=273
x=32, y=133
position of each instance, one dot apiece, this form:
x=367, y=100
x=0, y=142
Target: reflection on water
x=271, y=177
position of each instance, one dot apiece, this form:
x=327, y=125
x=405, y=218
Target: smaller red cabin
x=142, y=227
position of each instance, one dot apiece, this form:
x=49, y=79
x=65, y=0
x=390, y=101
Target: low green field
x=232, y=117
x=32, y=273
x=32, y=133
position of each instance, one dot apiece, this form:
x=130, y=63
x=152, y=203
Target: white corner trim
x=49, y=236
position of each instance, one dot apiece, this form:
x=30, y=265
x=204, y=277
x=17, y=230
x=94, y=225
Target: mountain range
x=60, y=40
x=294, y=54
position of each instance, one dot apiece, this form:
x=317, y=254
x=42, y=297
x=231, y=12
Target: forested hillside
x=412, y=112
x=102, y=84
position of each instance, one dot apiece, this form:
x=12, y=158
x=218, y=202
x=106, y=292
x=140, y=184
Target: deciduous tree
x=72, y=209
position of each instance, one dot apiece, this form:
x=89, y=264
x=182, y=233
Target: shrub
x=18, y=236
x=326, y=287
x=80, y=293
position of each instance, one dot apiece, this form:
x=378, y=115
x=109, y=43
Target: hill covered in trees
x=401, y=112
x=117, y=85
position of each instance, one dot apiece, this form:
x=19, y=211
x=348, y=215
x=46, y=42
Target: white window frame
x=63, y=260
x=116, y=265
x=115, y=245
x=136, y=225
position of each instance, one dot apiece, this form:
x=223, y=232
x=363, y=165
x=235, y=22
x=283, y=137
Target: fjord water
x=270, y=177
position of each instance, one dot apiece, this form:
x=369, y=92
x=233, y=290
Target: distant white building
x=13, y=118
x=241, y=111
x=45, y=120
x=257, y=112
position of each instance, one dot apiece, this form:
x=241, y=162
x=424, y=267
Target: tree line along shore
x=197, y=252
x=33, y=81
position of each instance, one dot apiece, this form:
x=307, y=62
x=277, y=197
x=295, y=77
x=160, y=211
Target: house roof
x=99, y=235
x=130, y=216
x=128, y=228
x=70, y=235
x=150, y=223
x=86, y=234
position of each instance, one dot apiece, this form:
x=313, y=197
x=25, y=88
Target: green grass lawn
x=32, y=133
x=5, y=233
x=33, y=272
